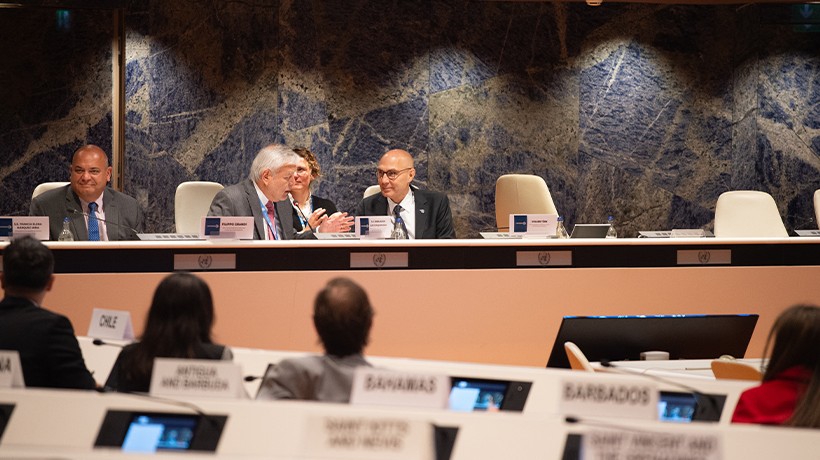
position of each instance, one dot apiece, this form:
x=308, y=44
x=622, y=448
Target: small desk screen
x=468, y=395
x=149, y=433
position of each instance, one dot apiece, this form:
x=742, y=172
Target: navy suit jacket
x=433, y=216
x=241, y=200
x=49, y=352
x=123, y=215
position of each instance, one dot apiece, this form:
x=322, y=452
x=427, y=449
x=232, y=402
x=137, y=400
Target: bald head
x=89, y=172
x=399, y=164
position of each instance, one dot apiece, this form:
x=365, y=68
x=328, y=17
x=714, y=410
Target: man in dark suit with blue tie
x=426, y=214
x=95, y=211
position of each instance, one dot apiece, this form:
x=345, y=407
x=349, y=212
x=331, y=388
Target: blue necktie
x=93, y=224
x=396, y=213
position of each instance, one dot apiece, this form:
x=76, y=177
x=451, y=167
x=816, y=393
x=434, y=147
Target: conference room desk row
x=296, y=430
x=485, y=301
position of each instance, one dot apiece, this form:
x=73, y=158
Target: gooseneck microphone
x=106, y=222
x=173, y=402
x=714, y=407
x=301, y=214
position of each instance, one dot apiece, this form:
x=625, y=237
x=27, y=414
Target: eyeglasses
x=392, y=174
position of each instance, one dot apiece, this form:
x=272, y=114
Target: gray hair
x=272, y=157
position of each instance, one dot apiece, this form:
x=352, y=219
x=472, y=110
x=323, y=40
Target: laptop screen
x=624, y=338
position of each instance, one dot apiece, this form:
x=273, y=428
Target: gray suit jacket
x=315, y=378
x=123, y=215
x=241, y=200
x=433, y=216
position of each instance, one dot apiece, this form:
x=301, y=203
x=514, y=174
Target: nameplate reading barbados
x=388, y=388
x=196, y=377
x=604, y=397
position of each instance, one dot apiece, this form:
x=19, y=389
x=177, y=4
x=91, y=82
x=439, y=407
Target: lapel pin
x=421, y=211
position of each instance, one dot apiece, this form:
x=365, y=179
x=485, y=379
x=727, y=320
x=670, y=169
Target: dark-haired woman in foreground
x=178, y=326
x=790, y=392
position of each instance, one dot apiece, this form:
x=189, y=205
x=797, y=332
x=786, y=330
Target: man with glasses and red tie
x=94, y=211
x=424, y=214
x=264, y=196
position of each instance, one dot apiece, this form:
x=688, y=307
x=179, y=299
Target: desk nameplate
x=543, y=258
x=379, y=260
x=204, y=261
x=705, y=257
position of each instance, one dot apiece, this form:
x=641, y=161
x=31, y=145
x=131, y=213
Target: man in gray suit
x=264, y=196
x=95, y=211
x=342, y=316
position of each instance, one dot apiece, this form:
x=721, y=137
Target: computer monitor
x=479, y=394
x=624, y=338
x=137, y=431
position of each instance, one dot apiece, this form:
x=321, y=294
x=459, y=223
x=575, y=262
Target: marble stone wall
x=644, y=112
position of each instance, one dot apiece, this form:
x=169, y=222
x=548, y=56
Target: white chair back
x=521, y=194
x=577, y=359
x=46, y=186
x=817, y=207
x=372, y=190
x=191, y=203
x=748, y=214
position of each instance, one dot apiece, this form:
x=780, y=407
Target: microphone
x=573, y=420
x=714, y=407
x=100, y=342
x=252, y=378
x=173, y=402
x=301, y=214
x=106, y=222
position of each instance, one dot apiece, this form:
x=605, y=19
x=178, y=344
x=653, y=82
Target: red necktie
x=272, y=217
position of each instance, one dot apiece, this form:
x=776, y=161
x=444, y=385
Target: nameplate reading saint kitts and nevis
x=196, y=377
x=378, y=387
x=366, y=438
x=111, y=324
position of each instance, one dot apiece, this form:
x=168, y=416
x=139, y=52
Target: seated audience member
x=342, y=316
x=95, y=212
x=425, y=214
x=790, y=391
x=311, y=206
x=178, y=326
x=49, y=352
x=264, y=196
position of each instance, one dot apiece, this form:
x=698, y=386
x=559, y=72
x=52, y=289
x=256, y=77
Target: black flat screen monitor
x=624, y=338
x=134, y=431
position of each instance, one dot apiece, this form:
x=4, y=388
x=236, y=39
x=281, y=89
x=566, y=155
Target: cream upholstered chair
x=521, y=194
x=727, y=369
x=817, y=207
x=577, y=360
x=46, y=186
x=191, y=203
x=748, y=213
x=372, y=190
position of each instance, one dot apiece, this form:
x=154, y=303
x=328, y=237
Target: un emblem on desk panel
x=704, y=256
x=544, y=258
x=379, y=259
x=205, y=261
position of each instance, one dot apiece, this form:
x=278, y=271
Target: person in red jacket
x=790, y=391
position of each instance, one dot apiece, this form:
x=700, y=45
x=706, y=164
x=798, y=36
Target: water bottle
x=398, y=232
x=65, y=233
x=561, y=231
x=611, y=233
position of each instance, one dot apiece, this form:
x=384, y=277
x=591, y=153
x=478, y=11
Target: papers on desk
x=807, y=232
x=676, y=233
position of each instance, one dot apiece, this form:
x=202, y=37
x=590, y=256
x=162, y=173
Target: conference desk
x=487, y=301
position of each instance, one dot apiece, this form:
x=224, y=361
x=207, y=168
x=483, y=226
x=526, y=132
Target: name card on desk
x=603, y=397
x=196, y=377
x=11, y=372
x=373, y=227
x=367, y=438
x=235, y=228
x=16, y=226
x=704, y=257
x=204, y=261
x=534, y=224
x=378, y=387
x=379, y=260
x=111, y=324
x=627, y=443
x=543, y=258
